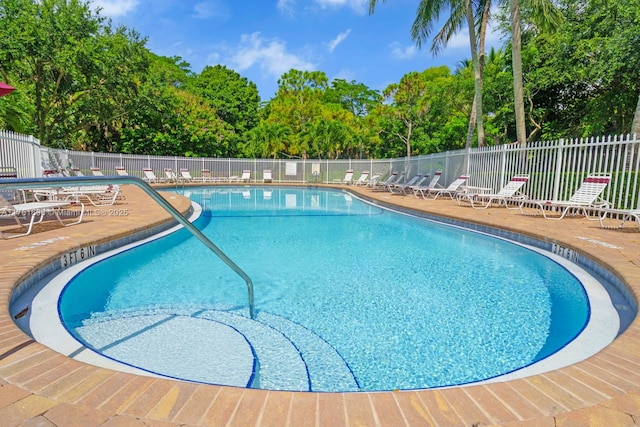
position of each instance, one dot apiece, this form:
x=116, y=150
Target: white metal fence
x=556, y=168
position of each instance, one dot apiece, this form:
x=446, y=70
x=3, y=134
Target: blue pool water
x=349, y=296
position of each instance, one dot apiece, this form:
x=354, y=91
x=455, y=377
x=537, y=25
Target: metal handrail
x=22, y=183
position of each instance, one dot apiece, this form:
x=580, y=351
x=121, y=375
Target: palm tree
x=542, y=12
x=461, y=11
x=545, y=14
x=516, y=64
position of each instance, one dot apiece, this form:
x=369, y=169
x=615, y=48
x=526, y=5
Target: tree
x=267, y=140
x=357, y=99
x=499, y=123
x=234, y=98
x=544, y=14
x=74, y=69
x=354, y=97
x=583, y=79
x=635, y=126
x=516, y=57
x=409, y=103
x=297, y=103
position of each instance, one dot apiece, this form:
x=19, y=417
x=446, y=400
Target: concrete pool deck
x=41, y=387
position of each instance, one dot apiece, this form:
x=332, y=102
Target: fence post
x=558, y=171
x=503, y=166
x=37, y=156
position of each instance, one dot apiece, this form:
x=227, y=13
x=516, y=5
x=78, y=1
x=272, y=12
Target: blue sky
x=263, y=39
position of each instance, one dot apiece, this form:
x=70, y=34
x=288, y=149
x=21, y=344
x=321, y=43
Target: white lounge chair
x=97, y=195
x=266, y=176
x=348, y=178
x=623, y=216
x=245, y=177
x=452, y=190
x=185, y=175
x=387, y=186
x=373, y=181
x=205, y=176
x=121, y=171
x=150, y=176
x=420, y=185
x=510, y=193
x=400, y=187
x=96, y=171
x=586, y=198
x=37, y=211
x=364, y=177
x=393, y=178
x=170, y=175
x=77, y=172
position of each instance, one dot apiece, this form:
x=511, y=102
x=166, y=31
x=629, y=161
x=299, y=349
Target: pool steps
x=274, y=341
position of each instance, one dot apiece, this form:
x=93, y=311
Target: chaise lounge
x=510, y=193
x=586, y=198
x=37, y=211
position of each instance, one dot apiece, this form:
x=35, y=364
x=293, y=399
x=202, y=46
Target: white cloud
x=359, y=6
x=210, y=9
x=286, y=6
x=407, y=52
x=115, y=8
x=494, y=37
x=269, y=55
x=339, y=39
x=459, y=40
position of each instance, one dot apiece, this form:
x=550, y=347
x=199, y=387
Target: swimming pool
x=358, y=298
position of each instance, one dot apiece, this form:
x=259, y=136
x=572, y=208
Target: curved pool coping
x=46, y=327
x=602, y=389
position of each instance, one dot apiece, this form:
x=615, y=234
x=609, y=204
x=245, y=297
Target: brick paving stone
x=173, y=401
x=386, y=408
x=105, y=390
x=628, y=403
x=123, y=397
x=249, y=409
x=29, y=407
x=304, y=410
x=522, y=408
x=10, y=394
x=75, y=416
x=144, y=403
x=197, y=405
x=357, y=407
x=224, y=407
x=594, y=416
x=276, y=409
x=417, y=408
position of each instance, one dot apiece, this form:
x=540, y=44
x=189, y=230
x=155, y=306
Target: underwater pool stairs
x=291, y=357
